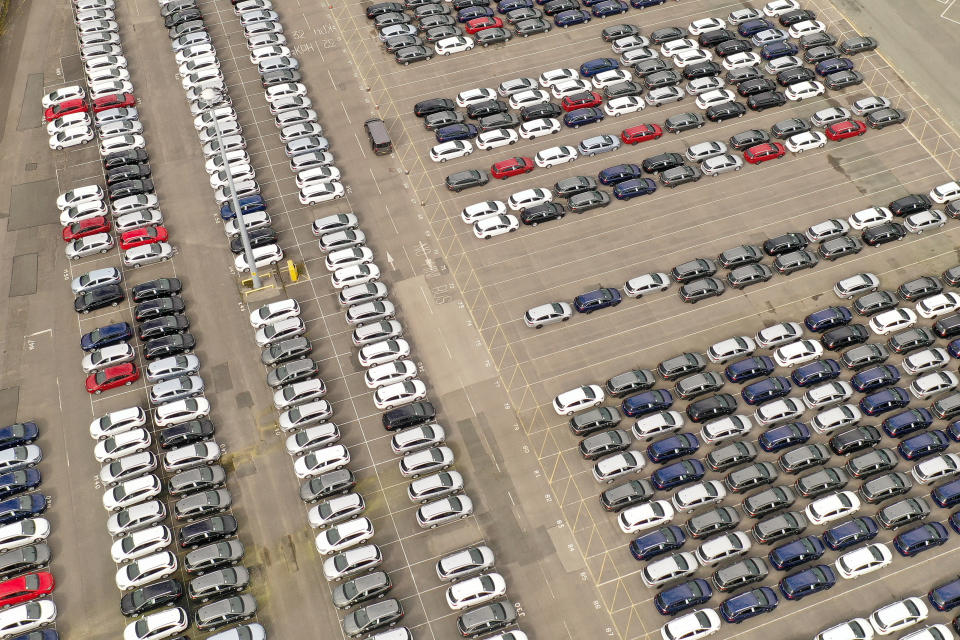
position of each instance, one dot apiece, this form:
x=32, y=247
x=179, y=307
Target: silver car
x=828, y=116
x=172, y=367
x=545, y=314
x=176, y=389
x=664, y=95
x=96, y=278
x=721, y=164
x=703, y=150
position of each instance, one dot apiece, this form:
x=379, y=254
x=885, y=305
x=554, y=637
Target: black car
x=163, y=326
x=843, y=79
x=442, y=119
x=129, y=188
x=150, y=597
x=207, y=530
x=280, y=76
x=836, y=248
x=913, y=339
x=158, y=307
x=177, y=18
x=716, y=406
x=749, y=274
x=128, y=172
x=730, y=47
x=542, y=213
x=843, y=337
x=736, y=76
x=816, y=40
x=593, y=199
x=884, y=118
x=791, y=18
x=486, y=108
x=433, y=105
x=766, y=100
x=913, y=203
x=617, y=31
x=257, y=237
x=785, y=244
x=819, y=54
x=525, y=28
x=919, y=288
x=621, y=89
x=739, y=256
x=381, y=8
x=644, y=68
x=791, y=126
x=662, y=162
x=569, y=187
x=554, y=7
x=725, y=111
x=706, y=69
x=411, y=415
x=465, y=179
x=788, y=77
x=884, y=233
x=436, y=34
x=626, y=495
x=710, y=39
x=181, y=435
x=749, y=138
x=103, y=296
x=753, y=87
x=121, y=158
x=328, y=484
x=948, y=327
x=159, y=288
x=499, y=121
x=874, y=303
x=858, y=44
x=169, y=346
x=666, y=34
x=780, y=526
x=537, y=111
x=714, y=521
x=680, y=122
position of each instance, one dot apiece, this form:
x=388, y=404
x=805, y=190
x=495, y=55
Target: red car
x=641, y=133
x=511, y=167
x=25, y=588
x=77, y=105
x=845, y=129
x=142, y=236
x=581, y=100
x=86, y=227
x=479, y=24
x=763, y=152
x=114, y=101
x=112, y=377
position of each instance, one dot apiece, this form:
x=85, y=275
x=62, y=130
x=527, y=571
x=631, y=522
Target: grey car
x=213, y=556
x=875, y=302
x=835, y=248
x=716, y=520
x=626, y=495
x=664, y=95
x=789, y=127
x=385, y=613
x=721, y=164
x=903, y=513
x=23, y=559
x=740, y=574
x=680, y=175
x=803, y=457
x=198, y=479
x=741, y=255
x=569, y=187
x=701, y=289
x=731, y=455
x=361, y=589
x=750, y=274
x=787, y=263
x=864, y=355
x=681, y=122
x=486, y=619
x=822, y=481
x=600, y=444
x=699, y=384
x=292, y=372
x=694, y=269
x=872, y=463
x=889, y=485
x=595, y=419
x=226, y=611
x=598, y=144
x=218, y=583
x=593, y=199
x=681, y=365
x=704, y=150
x=750, y=477
x=202, y=504
x=329, y=484
x=780, y=526
x=286, y=350
x=769, y=500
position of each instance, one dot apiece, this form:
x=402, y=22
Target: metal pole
x=244, y=238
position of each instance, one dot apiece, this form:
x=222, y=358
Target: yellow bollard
x=292, y=269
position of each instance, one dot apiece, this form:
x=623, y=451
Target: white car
x=899, y=615
x=527, y=198
x=717, y=96
x=141, y=543
x=528, y=98
x=389, y=373
x=89, y=245
x=701, y=85
x=800, y=142
x=496, y=138
x=179, y=411
x=342, y=240
x=725, y=428
x=453, y=44
x=136, y=517
x=938, y=305
x=274, y=312
x=317, y=192
x=689, y=57
x=71, y=136
x=173, y=367
x=415, y=464
x=115, y=144
x=285, y=90
x=579, y=399
x=923, y=220
x=194, y=51
x=238, y=171
x=863, y=560
x=844, y=416
x=473, y=96
x=299, y=393
x=475, y=591
x=672, y=567
x=450, y=150
x=24, y=618
x=537, y=128
x=692, y=626
x=334, y=510
x=137, y=257
x=779, y=334
x=726, y=350
x=24, y=532
x=645, y=515
x=855, y=629
x=779, y=7
x=945, y=465
x=721, y=164
x=926, y=360
x=117, y=422
x=137, y=219
x=109, y=87
x=262, y=256
x=647, y=283
x=945, y=192
x=691, y=498
x=399, y=393
x=613, y=76
x=803, y=90
x=354, y=275
x=72, y=92
x=215, y=163
x=383, y=352
x=553, y=156
x=892, y=321
x=660, y=423
x=190, y=456
x=479, y=210
x=832, y=507
x=321, y=461
x=569, y=87
x=933, y=384
x=344, y=535
x=741, y=60
x=855, y=285
x=107, y=74
x=270, y=51
x=251, y=221
x=673, y=47
x=312, y=438
x=932, y=632
x=492, y=226
x=806, y=27
x=417, y=438
x=74, y=197
x=795, y=353
x=776, y=411
x=608, y=469
x=96, y=278
x=627, y=43
x=705, y=24
x=67, y=121
x=122, y=444
x=272, y=333
x=616, y=107
x=352, y=561
x=722, y=547
x=161, y=624
x=145, y=570
x=827, y=229
x=131, y=204
x=550, y=78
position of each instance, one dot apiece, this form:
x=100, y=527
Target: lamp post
x=210, y=99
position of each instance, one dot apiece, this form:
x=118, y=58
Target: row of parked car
x=25, y=581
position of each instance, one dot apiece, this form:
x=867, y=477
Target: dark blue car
x=783, y=436
x=470, y=13
x=850, y=532
x=663, y=540
x=571, y=17
x=646, y=402
x=632, y=188
x=906, y=422
x=609, y=8
x=919, y=539
x=580, y=117
x=682, y=597
x=753, y=27
x=833, y=65
x=22, y=507
x=678, y=473
x=829, y=318
x=815, y=372
x=17, y=434
x=597, y=299
x=619, y=173
x=807, y=582
x=456, y=132
x=923, y=444
x=250, y=204
x=793, y=554
x=672, y=447
x=766, y=389
x=19, y=481
x=947, y=494
x=946, y=596
x=105, y=336
x=954, y=431
x=749, y=604
x=883, y=401
x=954, y=348
x=598, y=65
x=643, y=4
x=875, y=378
x=749, y=368
x=778, y=50
x=506, y=6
